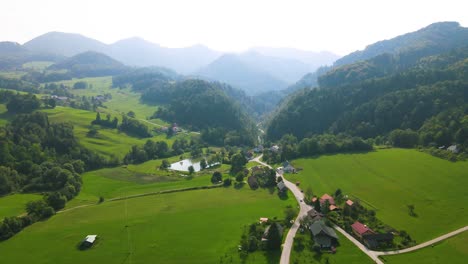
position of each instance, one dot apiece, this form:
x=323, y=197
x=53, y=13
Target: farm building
x=361, y=230
x=324, y=236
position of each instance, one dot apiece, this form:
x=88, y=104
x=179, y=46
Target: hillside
x=240, y=72
x=90, y=64
x=14, y=55
x=389, y=56
x=375, y=106
x=433, y=39
x=65, y=44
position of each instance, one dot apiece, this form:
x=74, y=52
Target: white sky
x=338, y=26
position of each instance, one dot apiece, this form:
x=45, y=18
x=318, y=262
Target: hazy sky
x=338, y=26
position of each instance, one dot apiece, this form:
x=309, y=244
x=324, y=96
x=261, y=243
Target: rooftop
x=360, y=228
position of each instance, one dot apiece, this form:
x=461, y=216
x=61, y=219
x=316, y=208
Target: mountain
x=389, y=56
x=387, y=92
x=90, y=64
x=433, y=39
x=311, y=58
x=139, y=52
x=253, y=72
x=132, y=51
x=13, y=55
x=66, y=44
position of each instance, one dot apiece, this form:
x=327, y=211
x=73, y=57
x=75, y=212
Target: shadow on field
x=273, y=257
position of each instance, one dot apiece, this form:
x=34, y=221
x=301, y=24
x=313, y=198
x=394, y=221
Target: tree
x=411, y=210
x=203, y=164
x=317, y=205
x=131, y=114
x=56, y=200
x=191, y=169
x=274, y=237
x=289, y=214
x=240, y=176
x=216, y=177
x=164, y=164
x=227, y=182
x=238, y=162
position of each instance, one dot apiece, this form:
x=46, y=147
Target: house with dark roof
x=281, y=186
x=324, y=236
x=360, y=229
x=373, y=241
x=314, y=215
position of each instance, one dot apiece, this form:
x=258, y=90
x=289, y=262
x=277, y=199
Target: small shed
x=88, y=241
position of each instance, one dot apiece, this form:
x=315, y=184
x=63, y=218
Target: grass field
x=189, y=227
x=108, y=141
x=388, y=180
x=37, y=65
x=453, y=250
x=14, y=205
x=346, y=252
x=123, y=100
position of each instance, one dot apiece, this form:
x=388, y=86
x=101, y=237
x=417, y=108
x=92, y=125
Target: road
x=303, y=209
x=374, y=255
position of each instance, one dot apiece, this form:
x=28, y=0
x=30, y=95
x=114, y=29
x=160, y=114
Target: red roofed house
x=360, y=229
x=349, y=202
x=328, y=198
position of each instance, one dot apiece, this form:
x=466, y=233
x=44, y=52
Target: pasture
x=388, y=180
x=453, y=250
x=15, y=204
x=108, y=141
x=123, y=100
x=201, y=226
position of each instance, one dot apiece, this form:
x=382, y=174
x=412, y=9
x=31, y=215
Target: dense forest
x=195, y=104
x=375, y=104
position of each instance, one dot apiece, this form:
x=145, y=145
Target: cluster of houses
x=174, y=129
x=325, y=238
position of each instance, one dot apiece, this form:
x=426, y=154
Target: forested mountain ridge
x=211, y=107
x=14, y=55
x=433, y=39
x=377, y=105
x=388, y=56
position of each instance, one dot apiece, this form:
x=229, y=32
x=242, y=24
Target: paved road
x=304, y=208
x=374, y=255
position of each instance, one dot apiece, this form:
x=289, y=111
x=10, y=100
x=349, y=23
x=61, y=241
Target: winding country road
x=374, y=255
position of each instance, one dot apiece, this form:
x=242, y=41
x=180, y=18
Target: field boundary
x=165, y=192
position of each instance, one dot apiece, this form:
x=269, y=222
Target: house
x=314, y=215
x=333, y=207
x=375, y=240
x=279, y=170
x=324, y=236
x=349, y=203
x=88, y=241
x=327, y=197
x=267, y=229
x=281, y=186
x=258, y=149
x=274, y=148
x=361, y=230
x=263, y=220
x=288, y=168
x=453, y=149
x=249, y=155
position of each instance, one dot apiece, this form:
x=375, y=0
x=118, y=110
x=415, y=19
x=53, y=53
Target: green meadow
x=453, y=250
x=15, y=204
x=37, y=65
x=123, y=100
x=388, y=180
x=201, y=226
x=108, y=141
